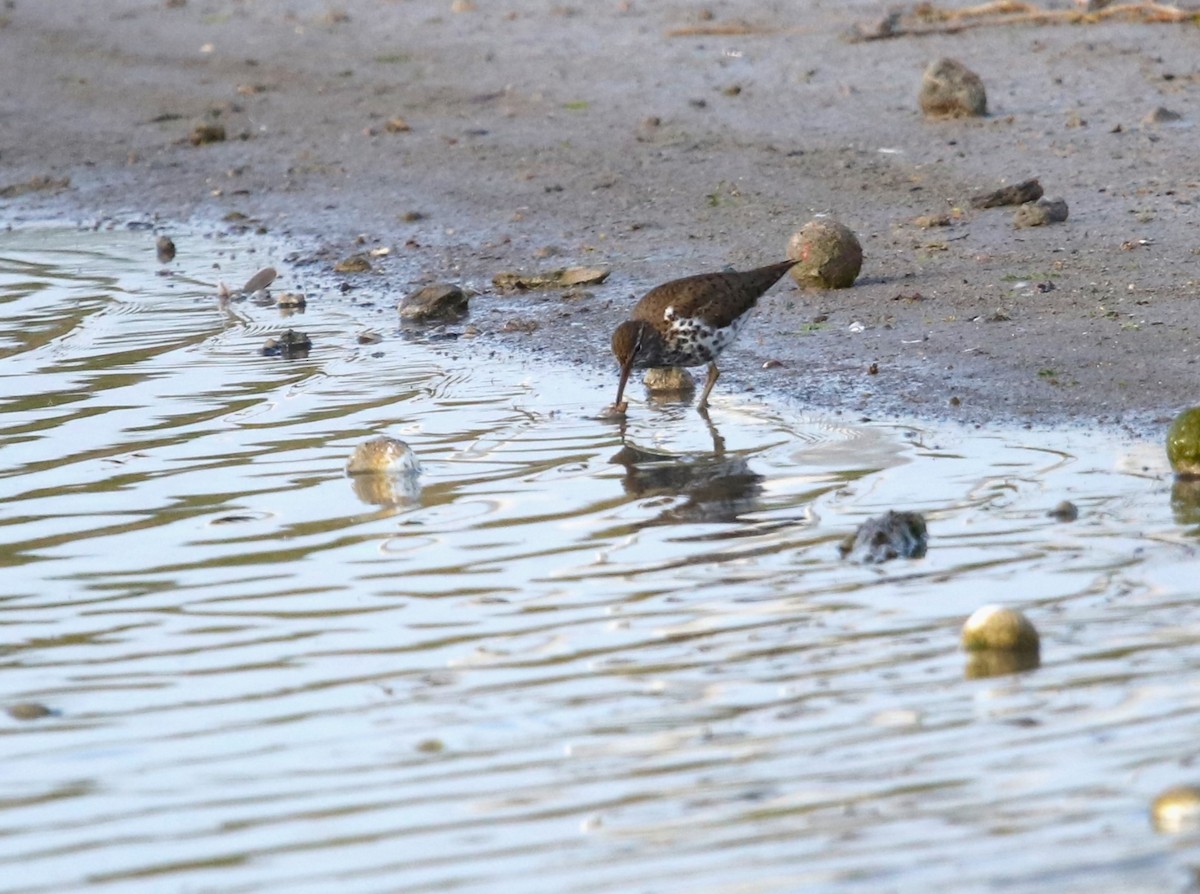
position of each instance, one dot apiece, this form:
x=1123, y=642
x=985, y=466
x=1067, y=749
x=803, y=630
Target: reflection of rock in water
x=1185, y=501
x=718, y=488
x=981, y=665
x=890, y=536
x=383, y=489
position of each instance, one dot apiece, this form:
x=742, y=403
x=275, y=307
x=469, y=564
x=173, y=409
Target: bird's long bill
x=626, y=369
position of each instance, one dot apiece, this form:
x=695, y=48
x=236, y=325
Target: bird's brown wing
x=720, y=298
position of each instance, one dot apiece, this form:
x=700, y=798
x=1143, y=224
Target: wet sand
x=525, y=136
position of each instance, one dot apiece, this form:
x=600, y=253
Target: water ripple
x=589, y=656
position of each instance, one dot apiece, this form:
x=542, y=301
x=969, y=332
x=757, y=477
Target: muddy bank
x=477, y=138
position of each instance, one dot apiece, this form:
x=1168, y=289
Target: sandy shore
x=479, y=138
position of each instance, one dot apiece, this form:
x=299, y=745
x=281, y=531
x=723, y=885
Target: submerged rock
x=827, y=254
x=893, y=535
x=440, y=302
x=951, y=90
x=291, y=344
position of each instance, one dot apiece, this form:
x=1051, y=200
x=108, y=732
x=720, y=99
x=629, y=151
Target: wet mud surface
x=471, y=139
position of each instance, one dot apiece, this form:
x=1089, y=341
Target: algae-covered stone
x=1183, y=444
x=995, y=628
x=827, y=254
x=672, y=379
x=444, y=302
x=1176, y=810
x=951, y=90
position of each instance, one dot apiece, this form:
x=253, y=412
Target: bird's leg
x=718, y=441
x=709, y=381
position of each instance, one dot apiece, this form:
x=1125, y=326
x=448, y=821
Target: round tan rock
x=827, y=254
x=672, y=379
x=994, y=627
x=951, y=90
x=383, y=456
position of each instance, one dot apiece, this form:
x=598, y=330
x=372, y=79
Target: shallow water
x=580, y=658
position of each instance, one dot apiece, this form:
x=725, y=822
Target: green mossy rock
x=1183, y=444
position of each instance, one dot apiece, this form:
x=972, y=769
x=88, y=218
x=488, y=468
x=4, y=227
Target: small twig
x=935, y=20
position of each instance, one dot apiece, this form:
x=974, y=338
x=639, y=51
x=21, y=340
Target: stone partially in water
x=384, y=472
x=670, y=379
x=383, y=456
x=827, y=254
x=440, y=302
x=291, y=299
x=1176, y=810
x=1066, y=511
x=890, y=536
x=353, y=264
x=1183, y=444
x=999, y=629
x=291, y=344
x=164, y=248
x=951, y=90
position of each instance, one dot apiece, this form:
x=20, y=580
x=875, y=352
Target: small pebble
x=1014, y=194
x=29, y=711
x=1161, y=115
x=1066, y=511
x=207, y=133
x=165, y=249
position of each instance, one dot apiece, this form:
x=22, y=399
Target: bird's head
x=634, y=343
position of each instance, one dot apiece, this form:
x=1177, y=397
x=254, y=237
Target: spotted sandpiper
x=689, y=322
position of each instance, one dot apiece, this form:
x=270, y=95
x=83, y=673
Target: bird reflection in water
x=717, y=487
